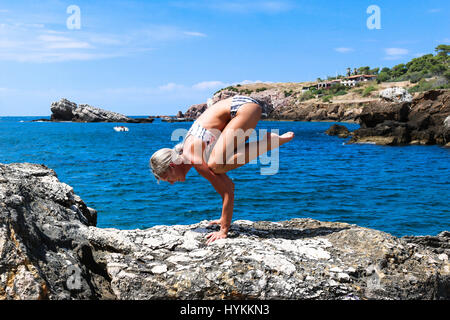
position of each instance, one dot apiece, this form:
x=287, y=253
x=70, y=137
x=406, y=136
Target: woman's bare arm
x=225, y=187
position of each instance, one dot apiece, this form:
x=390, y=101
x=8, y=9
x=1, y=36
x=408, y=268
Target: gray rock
x=396, y=94
x=51, y=249
x=196, y=110
x=447, y=122
x=439, y=244
x=420, y=122
x=338, y=130
x=65, y=110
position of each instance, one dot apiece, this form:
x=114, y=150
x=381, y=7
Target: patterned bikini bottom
x=238, y=101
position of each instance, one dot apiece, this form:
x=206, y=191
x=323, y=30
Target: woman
x=209, y=147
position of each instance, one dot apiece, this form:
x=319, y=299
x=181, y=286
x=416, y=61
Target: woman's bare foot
x=288, y=136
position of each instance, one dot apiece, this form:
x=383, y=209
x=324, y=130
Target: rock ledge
x=51, y=249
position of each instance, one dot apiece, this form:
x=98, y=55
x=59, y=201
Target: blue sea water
x=399, y=190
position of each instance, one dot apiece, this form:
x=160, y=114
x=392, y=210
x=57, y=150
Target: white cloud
x=344, y=50
x=105, y=40
x=174, y=88
x=239, y=6
x=9, y=43
x=164, y=33
x=50, y=38
x=59, y=42
x=22, y=42
x=206, y=85
x=395, y=53
x=170, y=87
x=46, y=57
x=69, y=45
x=254, y=6
x=434, y=10
x=203, y=86
x=251, y=82
x=194, y=34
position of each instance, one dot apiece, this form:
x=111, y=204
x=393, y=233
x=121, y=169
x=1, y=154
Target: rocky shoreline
x=50, y=248
x=280, y=107
x=423, y=121
x=395, y=118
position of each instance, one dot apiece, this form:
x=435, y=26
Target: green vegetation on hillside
x=366, y=92
x=427, y=72
x=335, y=90
x=417, y=69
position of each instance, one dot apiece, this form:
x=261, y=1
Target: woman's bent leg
x=251, y=150
x=233, y=135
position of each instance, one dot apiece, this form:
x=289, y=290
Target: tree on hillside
x=349, y=72
x=363, y=70
x=419, y=68
x=420, y=64
x=442, y=51
x=374, y=71
x=383, y=77
x=399, y=70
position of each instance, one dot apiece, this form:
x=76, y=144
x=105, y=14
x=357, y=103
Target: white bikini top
x=208, y=136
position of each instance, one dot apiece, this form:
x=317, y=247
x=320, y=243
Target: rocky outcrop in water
x=65, y=110
x=51, y=249
x=420, y=122
x=338, y=130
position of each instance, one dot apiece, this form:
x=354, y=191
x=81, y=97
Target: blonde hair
x=160, y=161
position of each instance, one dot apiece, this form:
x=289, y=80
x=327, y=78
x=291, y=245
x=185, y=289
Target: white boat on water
x=121, y=129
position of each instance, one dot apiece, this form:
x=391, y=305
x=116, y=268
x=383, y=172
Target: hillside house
x=354, y=80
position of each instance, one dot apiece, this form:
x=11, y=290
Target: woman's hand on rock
x=215, y=222
x=213, y=236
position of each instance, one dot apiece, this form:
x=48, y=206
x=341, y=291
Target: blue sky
x=158, y=57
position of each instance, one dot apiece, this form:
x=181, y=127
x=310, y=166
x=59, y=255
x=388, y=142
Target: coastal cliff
x=287, y=101
x=50, y=248
x=423, y=121
x=391, y=116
